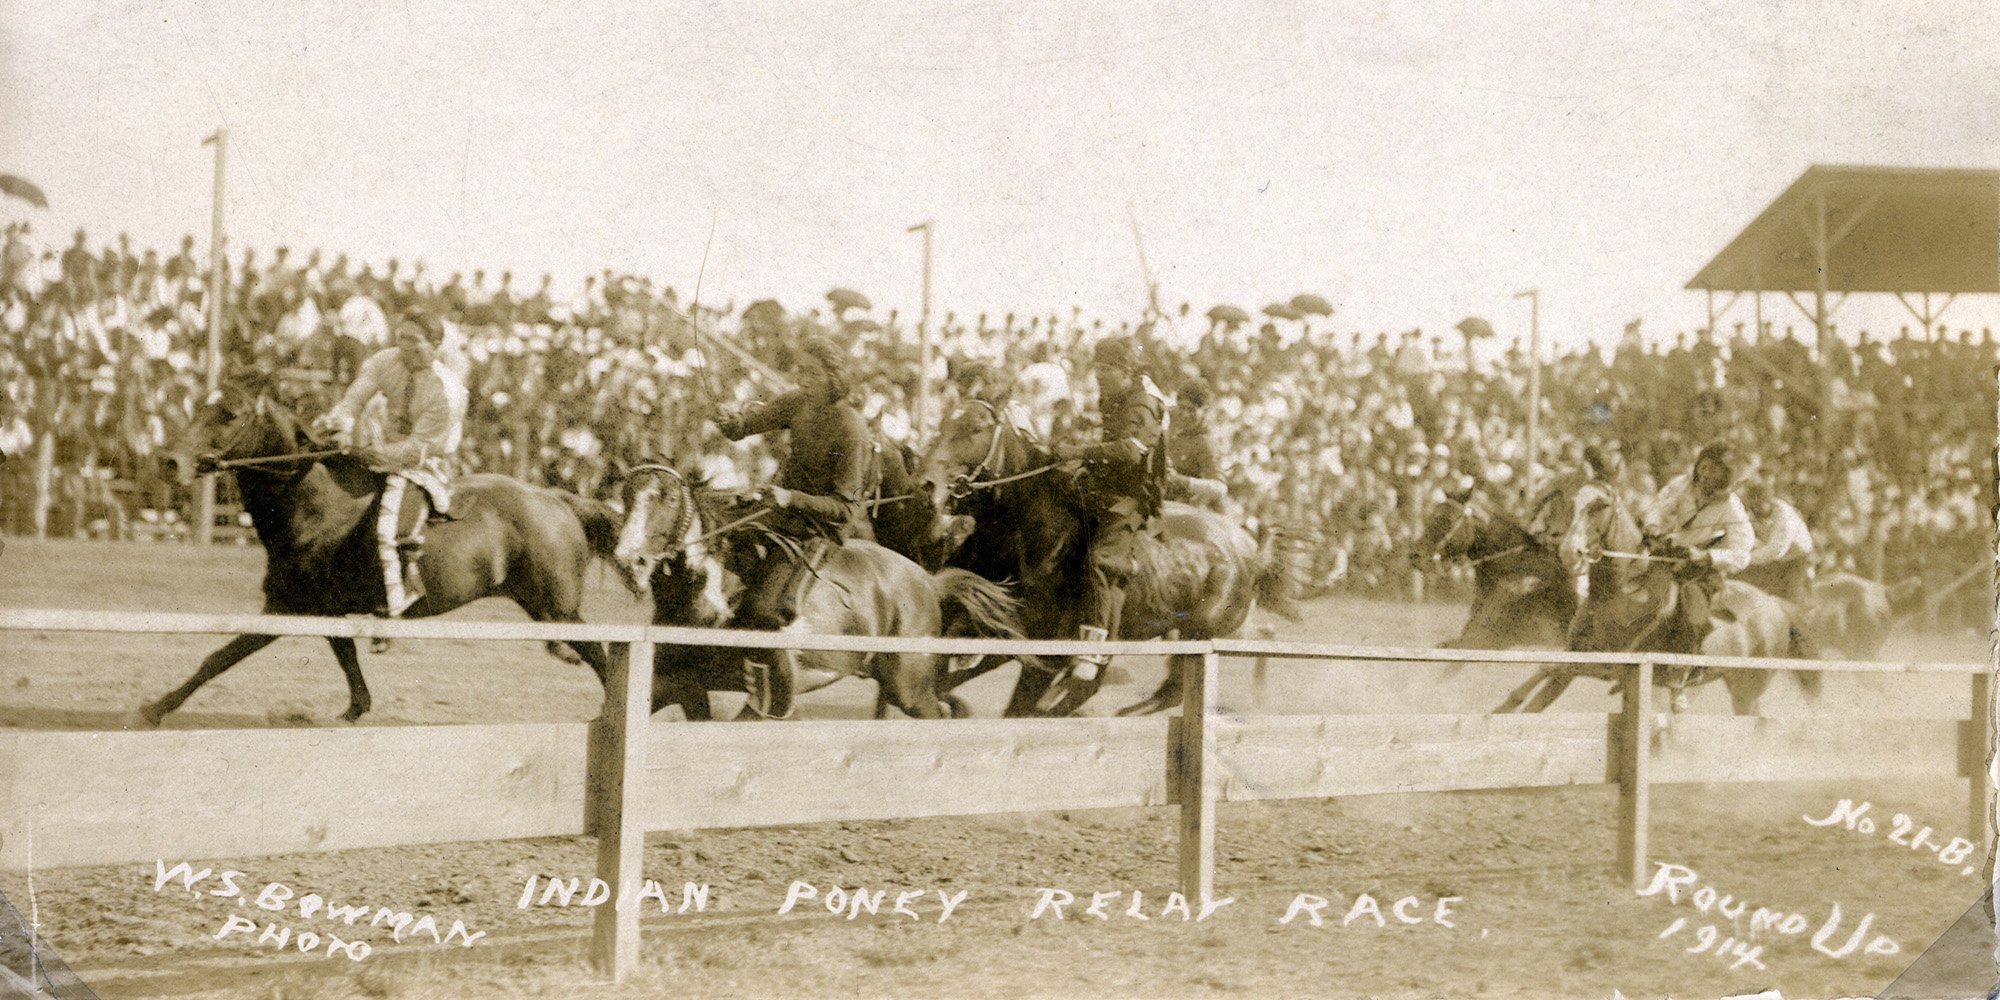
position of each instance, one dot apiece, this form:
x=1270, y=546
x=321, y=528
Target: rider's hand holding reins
x=776, y=496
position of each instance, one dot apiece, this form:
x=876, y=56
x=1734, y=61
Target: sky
x=1415, y=162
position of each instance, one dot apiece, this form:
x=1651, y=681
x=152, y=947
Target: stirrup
x=757, y=688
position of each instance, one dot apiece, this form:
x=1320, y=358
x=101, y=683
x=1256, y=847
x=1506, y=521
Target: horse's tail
x=1283, y=570
x=600, y=522
x=986, y=606
x=1907, y=597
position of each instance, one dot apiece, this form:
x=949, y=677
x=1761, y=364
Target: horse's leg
x=677, y=681
x=222, y=659
x=1520, y=694
x=358, y=701
x=1558, y=682
x=1168, y=694
x=1746, y=687
x=1032, y=684
x=914, y=677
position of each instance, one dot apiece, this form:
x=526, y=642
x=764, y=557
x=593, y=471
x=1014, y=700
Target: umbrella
x=1473, y=328
x=20, y=188
x=1308, y=304
x=764, y=307
x=1279, y=310
x=848, y=298
x=1228, y=314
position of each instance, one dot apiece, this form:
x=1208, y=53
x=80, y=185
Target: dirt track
x=1535, y=914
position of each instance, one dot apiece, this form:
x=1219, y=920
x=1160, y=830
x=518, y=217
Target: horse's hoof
x=1681, y=702
x=956, y=708
x=1151, y=706
x=147, y=717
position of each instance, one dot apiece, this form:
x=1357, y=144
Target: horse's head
x=974, y=443
x=242, y=418
x=1453, y=526
x=665, y=546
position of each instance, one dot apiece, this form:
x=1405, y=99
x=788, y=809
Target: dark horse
x=1200, y=578
x=1521, y=591
x=1633, y=605
x=687, y=541
x=315, y=518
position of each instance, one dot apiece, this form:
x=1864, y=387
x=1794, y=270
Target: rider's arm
x=367, y=384
x=1135, y=425
x=760, y=419
x=1732, y=553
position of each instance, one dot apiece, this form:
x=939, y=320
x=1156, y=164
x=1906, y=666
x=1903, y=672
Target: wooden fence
x=97, y=797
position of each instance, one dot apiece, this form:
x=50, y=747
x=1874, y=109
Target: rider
x=1781, y=564
x=1122, y=481
x=1697, y=512
x=1193, y=476
x=818, y=500
x=1603, y=468
x=420, y=429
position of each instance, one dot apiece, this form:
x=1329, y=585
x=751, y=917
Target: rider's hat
x=430, y=329
x=1718, y=451
x=1117, y=352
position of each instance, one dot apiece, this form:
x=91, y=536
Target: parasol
x=22, y=189
x=1308, y=304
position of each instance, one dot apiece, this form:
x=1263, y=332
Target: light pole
x=218, y=296
x=1534, y=297
x=920, y=422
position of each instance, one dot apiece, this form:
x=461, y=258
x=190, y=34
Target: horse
x=1200, y=577
x=904, y=513
x=862, y=589
x=314, y=512
x=1853, y=614
x=1521, y=591
x=1633, y=605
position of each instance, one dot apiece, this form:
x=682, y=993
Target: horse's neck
x=1500, y=535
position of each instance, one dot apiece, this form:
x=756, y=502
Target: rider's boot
x=1072, y=687
x=408, y=553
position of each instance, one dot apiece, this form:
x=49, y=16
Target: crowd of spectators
x=1883, y=446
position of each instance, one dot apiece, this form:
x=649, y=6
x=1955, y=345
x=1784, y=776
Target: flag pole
x=218, y=298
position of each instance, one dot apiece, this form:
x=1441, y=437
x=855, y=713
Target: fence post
x=617, y=769
x=1975, y=756
x=1634, y=750
x=1196, y=755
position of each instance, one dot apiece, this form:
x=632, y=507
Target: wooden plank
x=172, y=623
x=619, y=751
x=66, y=620
x=1723, y=748
x=707, y=776
x=1633, y=742
x=1282, y=757
x=1194, y=772
x=1390, y=654
x=101, y=798
x=1975, y=754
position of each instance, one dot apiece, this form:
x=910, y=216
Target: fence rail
x=90, y=798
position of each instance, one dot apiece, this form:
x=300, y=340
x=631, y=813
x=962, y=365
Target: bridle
x=240, y=434
x=1464, y=518
x=963, y=486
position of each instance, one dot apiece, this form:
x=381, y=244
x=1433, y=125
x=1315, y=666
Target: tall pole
x=1534, y=297
x=920, y=424
x=218, y=298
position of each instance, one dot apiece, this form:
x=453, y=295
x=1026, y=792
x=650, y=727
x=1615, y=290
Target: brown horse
x=1199, y=578
x=1853, y=615
x=1521, y=593
x=1633, y=605
x=861, y=589
x=314, y=514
